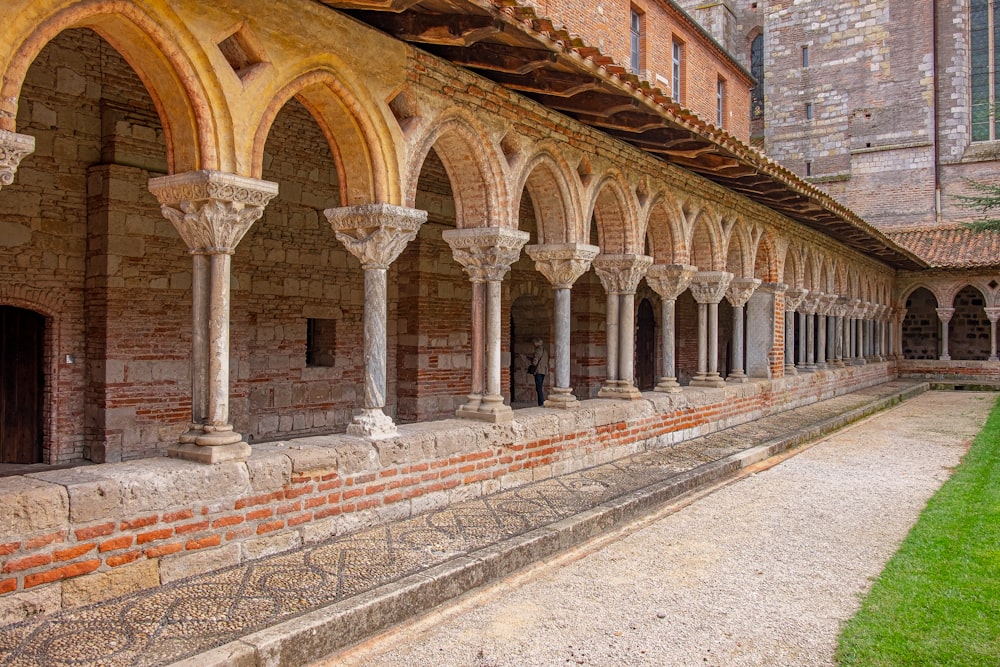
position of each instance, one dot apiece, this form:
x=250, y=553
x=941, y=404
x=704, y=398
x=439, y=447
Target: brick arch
x=809, y=275
x=664, y=233
x=908, y=291
x=839, y=279
x=739, y=254
x=793, y=273
x=182, y=95
x=706, y=241
x=472, y=165
x=548, y=180
x=766, y=259
x=359, y=139
x=825, y=283
x=614, y=213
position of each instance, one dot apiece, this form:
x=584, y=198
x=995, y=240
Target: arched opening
x=529, y=320
x=297, y=296
x=969, y=328
x=686, y=336
x=921, y=327
x=22, y=378
x=645, y=346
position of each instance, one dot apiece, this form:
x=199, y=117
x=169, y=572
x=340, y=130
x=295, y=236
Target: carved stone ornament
x=992, y=314
x=710, y=286
x=826, y=304
x=486, y=253
x=14, y=147
x=562, y=263
x=620, y=274
x=212, y=210
x=855, y=308
x=740, y=290
x=375, y=233
x=670, y=280
x=794, y=297
x=809, y=304
x=944, y=314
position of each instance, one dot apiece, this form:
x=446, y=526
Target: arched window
x=757, y=71
x=985, y=52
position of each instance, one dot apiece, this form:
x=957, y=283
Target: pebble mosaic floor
x=181, y=619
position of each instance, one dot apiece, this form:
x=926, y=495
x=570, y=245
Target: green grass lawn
x=938, y=600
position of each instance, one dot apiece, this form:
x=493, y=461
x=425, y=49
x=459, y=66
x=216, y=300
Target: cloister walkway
x=295, y=607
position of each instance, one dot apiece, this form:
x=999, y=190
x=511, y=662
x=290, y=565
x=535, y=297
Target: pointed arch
x=766, y=259
x=792, y=275
x=664, y=230
x=182, y=95
x=706, y=241
x=473, y=167
x=613, y=210
x=552, y=185
x=739, y=257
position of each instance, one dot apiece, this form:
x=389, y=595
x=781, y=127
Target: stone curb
x=323, y=631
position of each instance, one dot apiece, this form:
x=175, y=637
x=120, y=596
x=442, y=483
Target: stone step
x=298, y=606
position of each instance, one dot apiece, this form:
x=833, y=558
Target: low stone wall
x=955, y=371
x=76, y=536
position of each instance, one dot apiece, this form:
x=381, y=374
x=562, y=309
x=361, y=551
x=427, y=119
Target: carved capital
x=793, y=298
x=670, y=280
x=212, y=210
x=14, y=147
x=809, y=304
x=486, y=253
x=826, y=304
x=710, y=286
x=562, y=263
x=740, y=290
x=620, y=274
x=375, y=233
x=944, y=314
x=992, y=314
x=855, y=308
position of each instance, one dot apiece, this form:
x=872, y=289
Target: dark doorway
x=645, y=347
x=22, y=334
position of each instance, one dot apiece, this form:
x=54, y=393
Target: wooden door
x=645, y=347
x=22, y=334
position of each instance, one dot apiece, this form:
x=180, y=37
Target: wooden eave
x=509, y=44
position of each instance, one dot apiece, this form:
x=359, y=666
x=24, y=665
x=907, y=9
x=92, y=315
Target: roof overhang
x=510, y=45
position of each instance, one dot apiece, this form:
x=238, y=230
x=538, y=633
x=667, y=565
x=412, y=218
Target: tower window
x=635, y=41
x=805, y=56
x=757, y=72
x=676, y=71
x=809, y=111
x=984, y=45
x=720, y=101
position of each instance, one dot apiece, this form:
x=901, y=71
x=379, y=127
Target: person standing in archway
x=539, y=368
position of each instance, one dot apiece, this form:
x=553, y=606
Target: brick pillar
x=14, y=147
x=562, y=264
x=738, y=293
x=944, y=315
x=211, y=211
x=708, y=289
x=993, y=314
x=620, y=276
x=486, y=254
x=669, y=281
x=793, y=299
x=376, y=234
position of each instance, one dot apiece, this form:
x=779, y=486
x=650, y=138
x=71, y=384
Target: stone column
x=738, y=293
x=669, y=281
x=486, y=254
x=945, y=314
x=993, y=314
x=562, y=264
x=211, y=211
x=896, y=332
x=839, y=343
x=708, y=288
x=620, y=276
x=858, y=333
x=823, y=307
x=879, y=332
x=793, y=299
x=14, y=147
x=807, y=332
x=376, y=234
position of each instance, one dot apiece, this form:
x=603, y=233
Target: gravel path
x=760, y=572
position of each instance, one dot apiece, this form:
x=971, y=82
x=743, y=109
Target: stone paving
x=185, y=618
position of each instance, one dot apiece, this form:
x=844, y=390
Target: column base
x=737, y=378
x=372, y=423
x=561, y=399
x=238, y=451
x=993, y=358
x=838, y=363
x=944, y=357
x=668, y=385
x=791, y=370
x=711, y=381
x=491, y=409
x=858, y=362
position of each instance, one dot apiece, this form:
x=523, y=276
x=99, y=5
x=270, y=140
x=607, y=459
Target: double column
x=620, y=276
x=839, y=310
x=793, y=299
x=14, y=147
x=993, y=314
x=708, y=288
x=807, y=333
x=669, y=281
x=376, y=234
x=486, y=254
x=211, y=211
x=562, y=264
x=945, y=315
x=824, y=330
x=738, y=293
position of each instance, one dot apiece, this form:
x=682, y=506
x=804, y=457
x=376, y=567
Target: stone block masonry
x=74, y=536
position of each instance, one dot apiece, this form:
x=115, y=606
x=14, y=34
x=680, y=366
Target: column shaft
x=562, y=336
x=612, y=328
x=739, y=368
x=667, y=342
x=702, y=341
x=790, y=343
x=375, y=338
x=713, y=340
x=493, y=295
